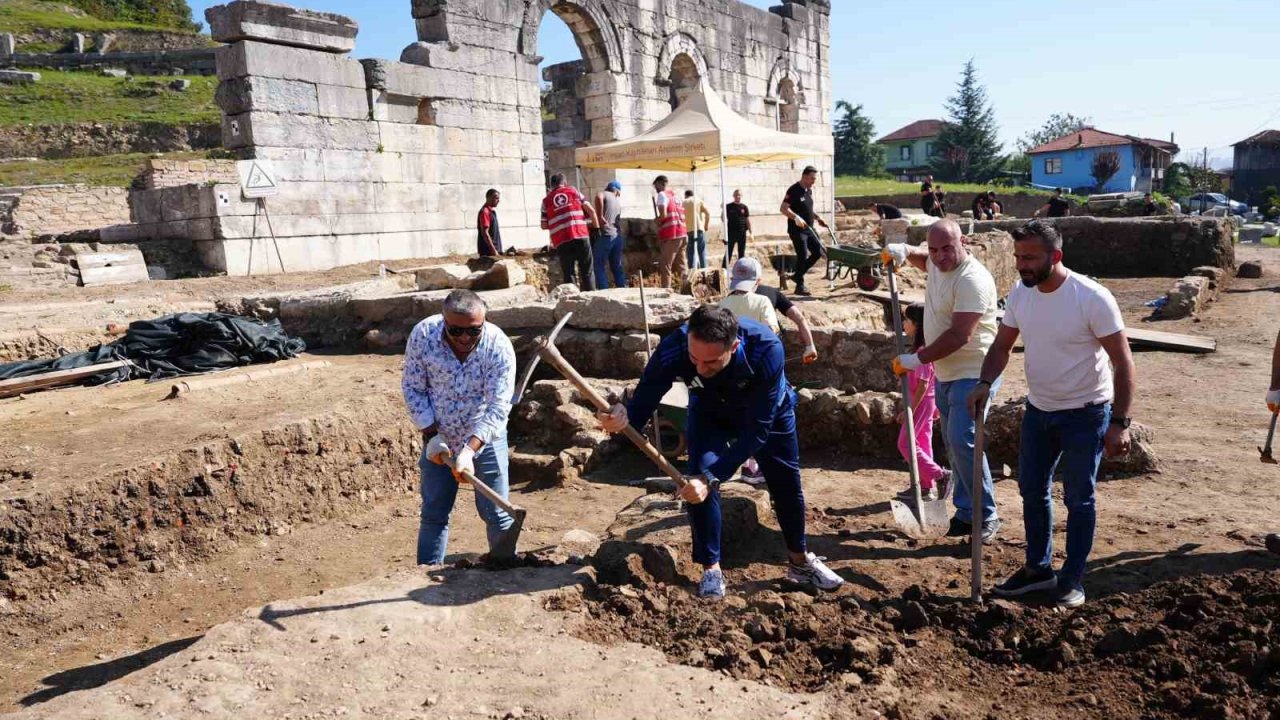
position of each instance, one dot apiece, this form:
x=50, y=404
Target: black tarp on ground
x=182, y=344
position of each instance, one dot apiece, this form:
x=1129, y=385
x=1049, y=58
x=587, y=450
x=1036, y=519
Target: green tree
x=1177, y=181
x=856, y=153
x=1056, y=126
x=164, y=13
x=969, y=146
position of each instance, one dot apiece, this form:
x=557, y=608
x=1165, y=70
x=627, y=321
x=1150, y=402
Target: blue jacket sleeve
x=765, y=398
x=659, y=374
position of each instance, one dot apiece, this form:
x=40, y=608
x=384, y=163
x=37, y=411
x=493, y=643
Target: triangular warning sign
x=258, y=178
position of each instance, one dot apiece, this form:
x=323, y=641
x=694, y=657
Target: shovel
x=975, y=541
x=1266, y=451
x=929, y=517
x=505, y=546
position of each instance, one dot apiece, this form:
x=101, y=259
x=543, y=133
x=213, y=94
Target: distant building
x=1256, y=166
x=908, y=150
x=1068, y=161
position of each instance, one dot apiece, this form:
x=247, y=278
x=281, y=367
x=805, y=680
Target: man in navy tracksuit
x=740, y=406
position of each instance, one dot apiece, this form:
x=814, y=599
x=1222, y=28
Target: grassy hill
x=70, y=97
x=24, y=16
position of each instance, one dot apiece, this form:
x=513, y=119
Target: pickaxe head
x=539, y=345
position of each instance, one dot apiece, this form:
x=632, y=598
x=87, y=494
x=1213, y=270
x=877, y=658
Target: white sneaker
x=814, y=572
x=751, y=474
x=712, y=585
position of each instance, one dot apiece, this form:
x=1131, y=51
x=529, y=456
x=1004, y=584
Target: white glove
x=810, y=354
x=437, y=450
x=466, y=460
x=615, y=420
x=897, y=252
x=904, y=364
x=1273, y=400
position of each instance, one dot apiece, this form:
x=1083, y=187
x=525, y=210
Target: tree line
x=174, y=14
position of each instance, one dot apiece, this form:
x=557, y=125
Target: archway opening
x=684, y=79
x=788, y=106
x=564, y=123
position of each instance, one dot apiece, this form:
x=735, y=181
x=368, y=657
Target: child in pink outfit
x=934, y=481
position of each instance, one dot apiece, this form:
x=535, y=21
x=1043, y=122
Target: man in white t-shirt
x=1080, y=381
x=959, y=326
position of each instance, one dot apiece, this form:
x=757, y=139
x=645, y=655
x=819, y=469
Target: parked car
x=1210, y=201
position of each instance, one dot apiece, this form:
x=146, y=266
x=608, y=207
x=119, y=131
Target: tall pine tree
x=856, y=152
x=968, y=147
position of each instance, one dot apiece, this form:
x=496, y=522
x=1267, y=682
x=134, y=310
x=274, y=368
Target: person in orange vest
x=672, y=235
x=566, y=214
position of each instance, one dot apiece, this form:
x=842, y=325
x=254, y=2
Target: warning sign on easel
x=257, y=179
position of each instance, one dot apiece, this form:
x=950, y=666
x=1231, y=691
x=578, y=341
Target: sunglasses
x=455, y=331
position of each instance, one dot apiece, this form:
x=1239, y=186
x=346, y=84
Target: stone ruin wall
x=57, y=209
x=383, y=159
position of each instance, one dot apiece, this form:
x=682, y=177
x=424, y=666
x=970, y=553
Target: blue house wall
x=1077, y=169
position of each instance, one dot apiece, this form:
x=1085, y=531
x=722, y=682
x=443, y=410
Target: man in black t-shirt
x=1149, y=206
x=738, y=217
x=798, y=207
x=981, y=210
x=885, y=211
x=1056, y=207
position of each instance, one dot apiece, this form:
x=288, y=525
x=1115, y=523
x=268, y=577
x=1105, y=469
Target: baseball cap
x=746, y=273
x=614, y=185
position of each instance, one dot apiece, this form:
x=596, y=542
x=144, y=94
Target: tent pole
x=724, y=214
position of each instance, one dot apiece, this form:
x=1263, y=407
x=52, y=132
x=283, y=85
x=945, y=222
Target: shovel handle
x=481, y=488
x=975, y=541
x=553, y=356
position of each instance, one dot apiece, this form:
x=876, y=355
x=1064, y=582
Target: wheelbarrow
x=857, y=263
x=673, y=418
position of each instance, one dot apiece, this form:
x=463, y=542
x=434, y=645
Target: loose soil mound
x=1197, y=647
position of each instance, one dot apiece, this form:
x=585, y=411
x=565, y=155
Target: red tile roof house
x=1067, y=162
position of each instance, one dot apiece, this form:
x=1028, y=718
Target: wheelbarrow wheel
x=867, y=280
x=673, y=440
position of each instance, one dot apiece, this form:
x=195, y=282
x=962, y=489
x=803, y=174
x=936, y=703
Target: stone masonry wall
x=161, y=173
x=55, y=209
x=378, y=159
x=196, y=61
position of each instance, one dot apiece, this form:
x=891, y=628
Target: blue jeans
x=439, y=490
x=1070, y=440
x=958, y=427
x=608, y=249
x=696, y=252
x=779, y=461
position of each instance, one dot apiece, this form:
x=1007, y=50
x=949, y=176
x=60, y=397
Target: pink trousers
x=928, y=467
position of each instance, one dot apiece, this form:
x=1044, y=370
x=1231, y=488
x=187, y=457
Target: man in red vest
x=672, y=235
x=566, y=213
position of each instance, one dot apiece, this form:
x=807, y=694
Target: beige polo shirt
x=967, y=289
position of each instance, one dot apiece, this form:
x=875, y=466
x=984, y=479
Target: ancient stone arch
x=676, y=44
x=592, y=27
x=781, y=70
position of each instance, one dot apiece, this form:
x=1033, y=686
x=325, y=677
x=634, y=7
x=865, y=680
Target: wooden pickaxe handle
x=556, y=360
x=481, y=488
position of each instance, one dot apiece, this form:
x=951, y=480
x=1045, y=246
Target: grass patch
x=17, y=16
x=70, y=97
x=111, y=170
x=855, y=186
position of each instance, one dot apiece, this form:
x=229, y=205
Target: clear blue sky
x=1205, y=71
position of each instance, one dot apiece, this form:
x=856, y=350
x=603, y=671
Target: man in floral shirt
x=459, y=373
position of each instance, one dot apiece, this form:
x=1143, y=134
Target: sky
x=1208, y=72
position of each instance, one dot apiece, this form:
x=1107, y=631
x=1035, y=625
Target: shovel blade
x=934, y=521
x=1266, y=457
x=505, y=547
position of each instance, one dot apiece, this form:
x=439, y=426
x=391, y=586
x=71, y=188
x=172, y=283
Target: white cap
x=746, y=273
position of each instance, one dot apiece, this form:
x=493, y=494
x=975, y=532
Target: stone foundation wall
x=161, y=173
x=57, y=209
x=1131, y=247
x=93, y=139
x=379, y=159
x=1016, y=204
x=197, y=61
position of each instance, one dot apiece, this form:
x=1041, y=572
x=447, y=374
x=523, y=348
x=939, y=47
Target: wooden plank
x=1138, y=337
x=15, y=386
x=106, y=259
x=90, y=277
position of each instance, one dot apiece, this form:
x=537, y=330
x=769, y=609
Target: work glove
x=904, y=364
x=895, y=253
x=810, y=354
x=437, y=450
x=695, y=490
x=615, y=420
x=1273, y=400
x=466, y=460
x=800, y=223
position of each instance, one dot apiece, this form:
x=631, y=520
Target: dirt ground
x=1140, y=648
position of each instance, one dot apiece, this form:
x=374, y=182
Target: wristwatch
x=712, y=480
x=1123, y=422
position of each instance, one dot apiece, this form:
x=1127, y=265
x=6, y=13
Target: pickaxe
x=1266, y=451
x=545, y=349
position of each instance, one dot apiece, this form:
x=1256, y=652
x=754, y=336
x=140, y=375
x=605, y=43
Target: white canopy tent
x=704, y=132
